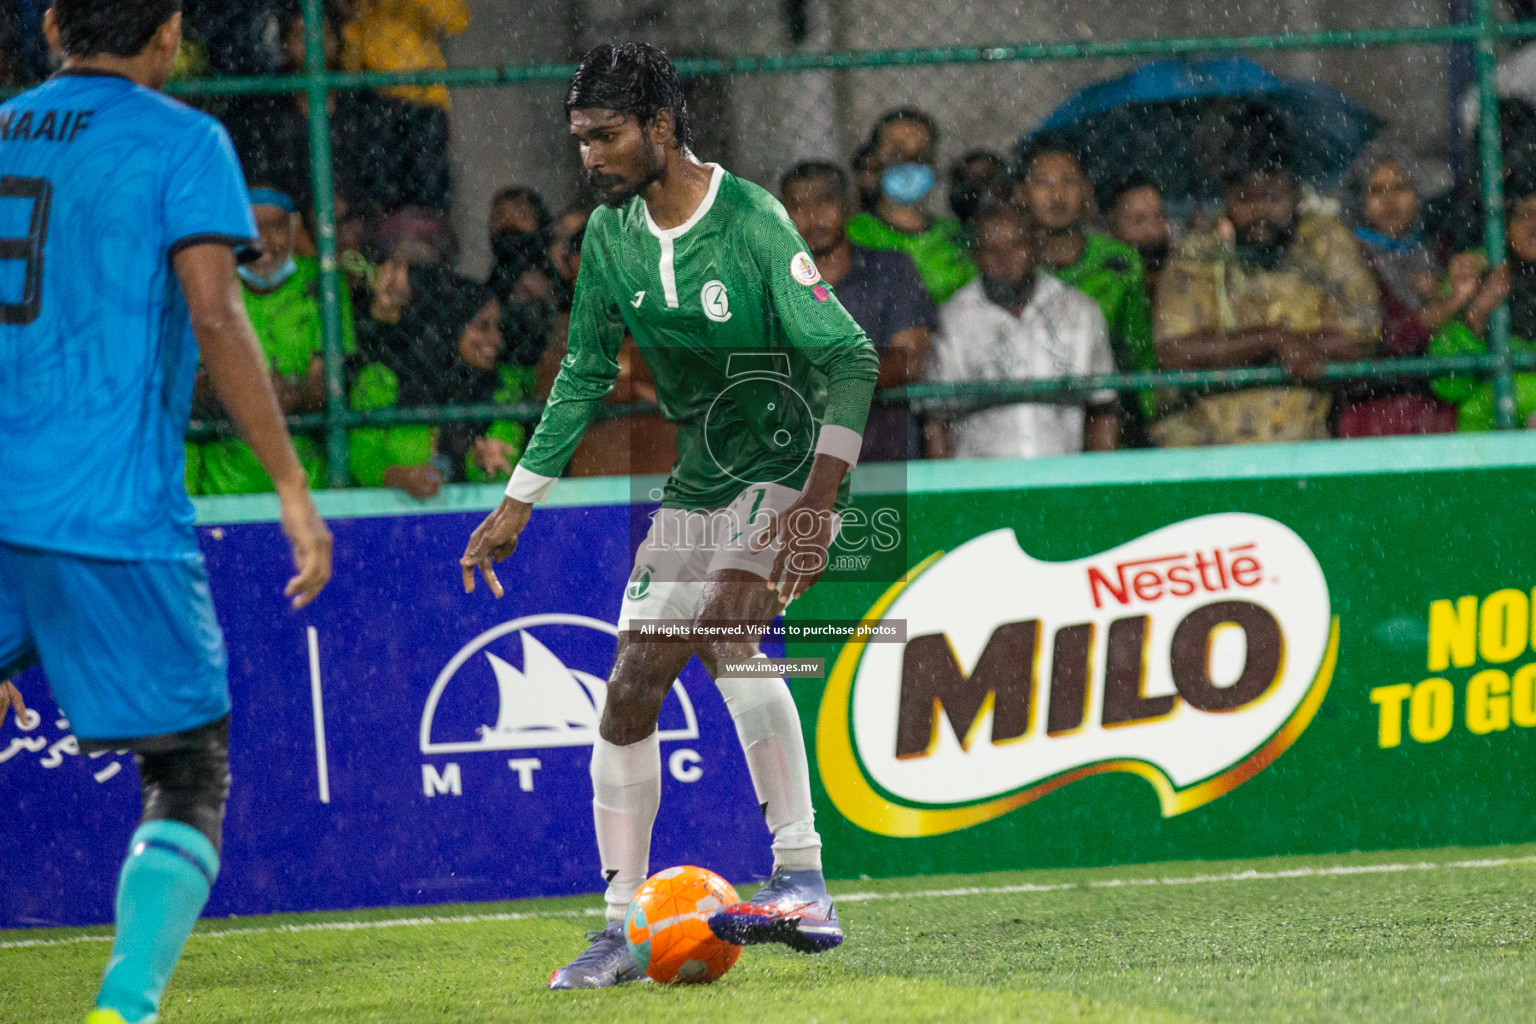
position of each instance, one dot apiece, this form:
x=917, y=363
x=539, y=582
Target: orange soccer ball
x=667, y=926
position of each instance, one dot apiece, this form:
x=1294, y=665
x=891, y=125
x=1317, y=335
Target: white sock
x=626, y=791
x=769, y=730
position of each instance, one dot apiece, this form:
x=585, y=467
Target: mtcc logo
x=487, y=704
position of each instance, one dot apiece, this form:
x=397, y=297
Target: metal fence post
x=1491, y=149
x=1461, y=75
x=325, y=225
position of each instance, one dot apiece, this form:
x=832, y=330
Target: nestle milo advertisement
x=1204, y=669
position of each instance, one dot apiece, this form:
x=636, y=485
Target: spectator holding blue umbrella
x=1176, y=120
x=1270, y=285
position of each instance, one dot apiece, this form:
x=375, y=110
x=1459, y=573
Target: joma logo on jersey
x=717, y=305
x=1018, y=679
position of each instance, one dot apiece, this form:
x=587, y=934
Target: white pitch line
x=1342, y=870
x=1235, y=876
x=330, y=926
x=975, y=890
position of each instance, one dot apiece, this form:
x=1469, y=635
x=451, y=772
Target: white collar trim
x=716, y=174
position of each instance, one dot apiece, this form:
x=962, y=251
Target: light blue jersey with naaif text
x=102, y=183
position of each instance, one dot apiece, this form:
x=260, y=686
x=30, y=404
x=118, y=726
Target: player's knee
x=191, y=783
x=631, y=709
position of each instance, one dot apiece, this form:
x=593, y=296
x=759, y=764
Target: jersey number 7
x=30, y=248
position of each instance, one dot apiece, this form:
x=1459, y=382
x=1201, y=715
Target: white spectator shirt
x=1061, y=333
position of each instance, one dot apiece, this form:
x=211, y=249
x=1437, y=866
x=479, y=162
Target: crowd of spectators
x=1043, y=273
x=1021, y=269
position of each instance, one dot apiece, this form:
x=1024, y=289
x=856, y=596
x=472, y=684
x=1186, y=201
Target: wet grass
x=1407, y=937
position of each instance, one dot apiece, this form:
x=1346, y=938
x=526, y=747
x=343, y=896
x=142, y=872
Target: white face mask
x=907, y=184
x=269, y=282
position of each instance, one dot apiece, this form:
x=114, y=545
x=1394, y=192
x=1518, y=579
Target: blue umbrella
x=1173, y=120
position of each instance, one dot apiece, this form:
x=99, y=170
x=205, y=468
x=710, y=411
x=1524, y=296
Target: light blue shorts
x=131, y=650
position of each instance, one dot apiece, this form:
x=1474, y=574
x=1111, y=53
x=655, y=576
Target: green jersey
x=287, y=323
x=1475, y=409
x=373, y=450
x=750, y=351
x=287, y=320
x=940, y=255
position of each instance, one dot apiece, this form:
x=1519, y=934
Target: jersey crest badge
x=639, y=582
x=717, y=305
x=803, y=269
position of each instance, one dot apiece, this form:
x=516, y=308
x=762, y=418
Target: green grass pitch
x=1444, y=936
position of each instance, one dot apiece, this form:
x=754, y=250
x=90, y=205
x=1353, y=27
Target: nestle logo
x=1150, y=579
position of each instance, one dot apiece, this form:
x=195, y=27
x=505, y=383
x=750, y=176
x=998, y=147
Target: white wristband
x=528, y=486
x=840, y=443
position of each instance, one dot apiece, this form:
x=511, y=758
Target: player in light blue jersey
x=121, y=216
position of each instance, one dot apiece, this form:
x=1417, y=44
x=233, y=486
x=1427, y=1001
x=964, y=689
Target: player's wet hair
x=816, y=170
x=90, y=28
x=632, y=78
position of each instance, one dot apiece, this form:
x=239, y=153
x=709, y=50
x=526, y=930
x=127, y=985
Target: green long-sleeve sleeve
x=816, y=323
x=587, y=374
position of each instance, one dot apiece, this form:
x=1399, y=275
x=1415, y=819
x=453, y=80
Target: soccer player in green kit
x=769, y=381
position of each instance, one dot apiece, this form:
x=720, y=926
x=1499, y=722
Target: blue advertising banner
x=399, y=742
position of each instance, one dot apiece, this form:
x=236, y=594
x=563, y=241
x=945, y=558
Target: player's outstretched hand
x=804, y=533
x=311, y=541
x=493, y=541
x=11, y=697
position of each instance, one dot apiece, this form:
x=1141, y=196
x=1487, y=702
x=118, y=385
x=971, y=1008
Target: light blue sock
x=160, y=895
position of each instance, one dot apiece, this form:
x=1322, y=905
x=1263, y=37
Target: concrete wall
x=508, y=136
x=760, y=125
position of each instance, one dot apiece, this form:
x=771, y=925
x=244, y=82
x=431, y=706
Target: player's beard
x=615, y=191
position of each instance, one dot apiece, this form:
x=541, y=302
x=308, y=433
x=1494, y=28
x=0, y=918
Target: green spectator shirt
x=750, y=351
x=1473, y=398
x=373, y=450
x=939, y=253
x=288, y=326
x=1110, y=272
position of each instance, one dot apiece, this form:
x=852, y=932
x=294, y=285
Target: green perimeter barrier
x=1484, y=33
x=1156, y=655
